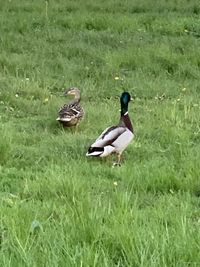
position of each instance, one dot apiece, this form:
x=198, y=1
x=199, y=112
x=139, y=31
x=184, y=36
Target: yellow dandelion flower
x=115, y=183
x=116, y=78
x=46, y=100
x=184, y=89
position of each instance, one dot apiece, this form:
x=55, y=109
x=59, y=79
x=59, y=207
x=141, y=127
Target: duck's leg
x=118, y=163
x=77, y=128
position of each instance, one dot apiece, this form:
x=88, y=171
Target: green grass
x=59, y=208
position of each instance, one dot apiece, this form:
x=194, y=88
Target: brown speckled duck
x=115, y=139
x=71, y=114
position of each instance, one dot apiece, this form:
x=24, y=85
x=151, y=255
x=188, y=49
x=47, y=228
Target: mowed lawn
x=59, y=208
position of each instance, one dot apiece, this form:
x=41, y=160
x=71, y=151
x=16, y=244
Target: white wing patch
x=64, y=119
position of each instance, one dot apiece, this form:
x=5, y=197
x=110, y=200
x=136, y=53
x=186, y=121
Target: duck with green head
x=115, y=139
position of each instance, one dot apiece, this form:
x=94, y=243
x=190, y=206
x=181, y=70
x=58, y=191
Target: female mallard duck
x=116, y=138
x=71, y=114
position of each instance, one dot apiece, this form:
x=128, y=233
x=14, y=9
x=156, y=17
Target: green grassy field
x=59, y=208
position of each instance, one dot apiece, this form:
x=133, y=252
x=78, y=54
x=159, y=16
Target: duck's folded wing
x=70, y=111
x=108, y=136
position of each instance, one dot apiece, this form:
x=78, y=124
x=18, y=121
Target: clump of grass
x=5, y=144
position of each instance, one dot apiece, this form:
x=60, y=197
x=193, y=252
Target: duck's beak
x=65, y=93
x=70, y=93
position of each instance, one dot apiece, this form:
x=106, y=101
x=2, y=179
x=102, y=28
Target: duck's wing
x=113, y=139
x=71, y=111
x=104, y=143
x=109, y=135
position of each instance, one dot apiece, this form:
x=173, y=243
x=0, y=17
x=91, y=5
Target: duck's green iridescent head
x=124, y=100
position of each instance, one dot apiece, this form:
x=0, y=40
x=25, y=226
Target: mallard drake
x=71, y=114
x=116, y=138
